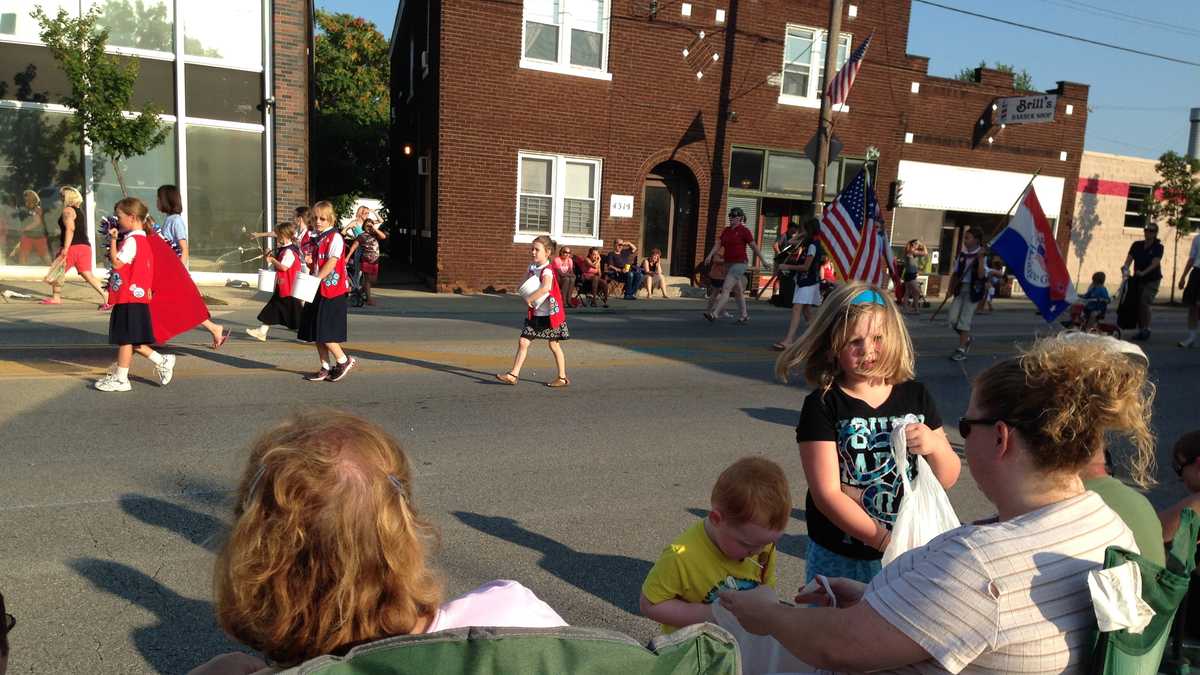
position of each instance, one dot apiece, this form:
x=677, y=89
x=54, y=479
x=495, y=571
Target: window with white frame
x=804, y=61
x=558, y=195
x=567, y=33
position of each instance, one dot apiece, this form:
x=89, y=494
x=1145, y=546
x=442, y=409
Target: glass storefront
x=214, y=150
x=225, y=198
x=37, y=158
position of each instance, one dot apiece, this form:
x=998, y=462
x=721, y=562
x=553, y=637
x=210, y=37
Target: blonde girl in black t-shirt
x=858, y=356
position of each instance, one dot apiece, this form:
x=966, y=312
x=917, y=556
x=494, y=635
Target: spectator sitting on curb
x=621, y=265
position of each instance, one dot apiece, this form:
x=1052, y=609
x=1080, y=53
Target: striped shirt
x=1008, y=597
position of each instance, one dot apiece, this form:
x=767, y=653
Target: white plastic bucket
x=266, y=281
x=306, y=286
x=531, y=286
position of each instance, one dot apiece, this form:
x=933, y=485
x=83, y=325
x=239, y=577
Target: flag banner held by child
x=1027, y=246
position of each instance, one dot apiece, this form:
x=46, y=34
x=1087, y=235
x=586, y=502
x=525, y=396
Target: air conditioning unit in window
x=422, y=166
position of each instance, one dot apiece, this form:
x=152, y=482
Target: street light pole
x=823, y=127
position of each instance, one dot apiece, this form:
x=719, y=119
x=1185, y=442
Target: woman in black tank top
x=75, y=250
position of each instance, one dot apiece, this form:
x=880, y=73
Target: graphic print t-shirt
x=862, y=435
x=693, y=569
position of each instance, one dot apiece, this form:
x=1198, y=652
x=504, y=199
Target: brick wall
x=290, y=26
x=654, y=108
x=1100, y=241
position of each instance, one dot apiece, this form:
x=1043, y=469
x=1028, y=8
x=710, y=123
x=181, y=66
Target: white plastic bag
x=925, y=510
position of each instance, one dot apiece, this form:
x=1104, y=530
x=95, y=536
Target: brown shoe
x=559, y=382
x=508, y=378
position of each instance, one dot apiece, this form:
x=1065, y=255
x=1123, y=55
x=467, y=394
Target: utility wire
x=1122, y=16
x=1058, y=34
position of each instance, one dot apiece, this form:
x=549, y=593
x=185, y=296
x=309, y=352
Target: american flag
x=859, y=249
x=838, y=89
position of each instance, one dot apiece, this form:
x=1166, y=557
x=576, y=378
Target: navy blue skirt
x=129, y=324
x=324, y=320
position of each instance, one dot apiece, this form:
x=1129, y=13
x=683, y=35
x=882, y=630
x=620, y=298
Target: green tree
x=352, y=109
x=1176, y=200
x=101, y=88
x=1022, y=80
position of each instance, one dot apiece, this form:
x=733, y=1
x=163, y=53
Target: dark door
x=657, y=215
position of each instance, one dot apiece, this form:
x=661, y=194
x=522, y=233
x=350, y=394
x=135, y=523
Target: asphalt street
x=112, y=505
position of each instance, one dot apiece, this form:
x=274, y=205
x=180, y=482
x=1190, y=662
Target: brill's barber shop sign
x=1026, y=109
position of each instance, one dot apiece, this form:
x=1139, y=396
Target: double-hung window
x=1138, y=195
x=557, y=195
x=804, y=65
x=567, y=36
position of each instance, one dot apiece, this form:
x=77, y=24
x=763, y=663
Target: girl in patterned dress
x=546, y=318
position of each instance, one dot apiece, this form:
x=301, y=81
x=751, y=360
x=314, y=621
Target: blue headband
x=869, y=297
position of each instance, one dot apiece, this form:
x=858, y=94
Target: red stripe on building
x=1098, y=186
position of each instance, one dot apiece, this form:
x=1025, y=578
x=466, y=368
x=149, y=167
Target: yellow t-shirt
x=693, y=569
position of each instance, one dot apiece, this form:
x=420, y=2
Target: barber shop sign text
x=1026, y=109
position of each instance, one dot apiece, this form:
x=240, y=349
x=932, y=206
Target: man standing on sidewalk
x=1189, y=281
x=1146, y=257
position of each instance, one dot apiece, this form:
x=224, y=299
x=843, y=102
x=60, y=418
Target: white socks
x=156, y=358
x=342, y=361
x=325, y=365
x=122, y=374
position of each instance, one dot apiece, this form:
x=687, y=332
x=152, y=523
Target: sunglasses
x=965, y=424
x=1180, y=466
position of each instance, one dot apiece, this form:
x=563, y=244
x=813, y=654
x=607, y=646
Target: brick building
x=648, y=120
x=233, y=80
x=1111, y=190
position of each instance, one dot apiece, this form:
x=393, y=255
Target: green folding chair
x=703, y=649
x=1163, y=588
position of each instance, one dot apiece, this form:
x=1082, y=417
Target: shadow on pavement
x=616, y=579
x=185, y=633
x=198, y=528
x=469, y=373
x=785, y=416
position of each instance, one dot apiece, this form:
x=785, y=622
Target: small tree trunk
x=121, y=178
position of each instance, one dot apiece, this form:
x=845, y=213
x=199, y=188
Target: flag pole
x=1008, y=214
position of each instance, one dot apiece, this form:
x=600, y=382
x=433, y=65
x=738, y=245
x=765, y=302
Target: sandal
x=743, y=321
x=559, y=382
x=49, y=301
x=508, y=378
x=709, y=317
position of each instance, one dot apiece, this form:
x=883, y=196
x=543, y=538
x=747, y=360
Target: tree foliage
x=1021, y=80
x=352, y=109
x=1176, y=199
x=101, y=88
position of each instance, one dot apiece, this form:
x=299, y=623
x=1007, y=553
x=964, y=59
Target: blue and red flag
x=1028, y=248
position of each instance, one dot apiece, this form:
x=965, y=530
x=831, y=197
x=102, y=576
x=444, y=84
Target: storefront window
x=143, y=24
x=745, y=169
x=229, y=30
x=789, y=173
x=223, y=94
x=30, y=73
x=35, y=155
x=142, y=175
x=15, y=20
x=225, y=198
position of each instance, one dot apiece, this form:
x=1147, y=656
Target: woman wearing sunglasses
x=1008, y=595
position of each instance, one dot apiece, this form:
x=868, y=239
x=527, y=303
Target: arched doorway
x=669, y=198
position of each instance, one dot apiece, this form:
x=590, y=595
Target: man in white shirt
x=1189, y=281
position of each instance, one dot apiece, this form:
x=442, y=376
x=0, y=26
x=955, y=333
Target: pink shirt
x=500, y=603
x=562, y=266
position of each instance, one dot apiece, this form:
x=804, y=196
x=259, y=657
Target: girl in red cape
x=176, y=306
x=546, y=318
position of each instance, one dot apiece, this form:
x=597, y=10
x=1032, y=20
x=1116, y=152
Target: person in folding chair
x=1009, y=594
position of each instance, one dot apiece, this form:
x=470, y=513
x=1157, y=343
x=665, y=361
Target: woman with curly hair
x=328, y=550
x=1009, y=594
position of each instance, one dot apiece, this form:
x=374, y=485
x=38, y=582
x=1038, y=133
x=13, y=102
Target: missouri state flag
x=1028, y=249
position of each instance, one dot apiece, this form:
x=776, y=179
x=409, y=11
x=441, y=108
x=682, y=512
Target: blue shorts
x=820, y=560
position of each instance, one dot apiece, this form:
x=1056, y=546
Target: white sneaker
x=165, y=370
x=1187, y=343
x=112, y=384
x=112, y=370
x=259, y=334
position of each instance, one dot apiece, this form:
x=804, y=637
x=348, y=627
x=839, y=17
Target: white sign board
x=620, y=206
x=1026, y=109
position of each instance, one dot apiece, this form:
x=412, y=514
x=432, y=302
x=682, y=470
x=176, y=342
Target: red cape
x=176, y=306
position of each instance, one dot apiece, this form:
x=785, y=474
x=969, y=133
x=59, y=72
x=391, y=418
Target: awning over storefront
x=959, y=188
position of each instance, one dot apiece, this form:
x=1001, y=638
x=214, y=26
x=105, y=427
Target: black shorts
x=1191, y=292
x=129, y=324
